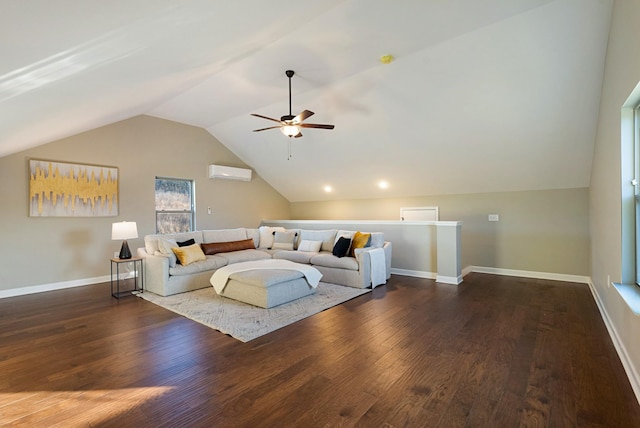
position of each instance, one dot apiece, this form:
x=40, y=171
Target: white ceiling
x=483, y=96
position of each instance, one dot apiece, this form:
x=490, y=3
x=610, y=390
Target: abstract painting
x=59, y=189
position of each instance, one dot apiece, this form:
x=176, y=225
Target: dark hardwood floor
x=492, y=352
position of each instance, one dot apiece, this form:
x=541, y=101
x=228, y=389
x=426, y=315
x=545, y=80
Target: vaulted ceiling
x=482, y=96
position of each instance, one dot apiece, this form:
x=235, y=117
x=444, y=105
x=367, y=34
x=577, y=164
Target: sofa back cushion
x=284, y=240
x=255, y=235
x=377, y=240
x=267, y=236
x=224, y=235
x=151, y=241
x=327, y=237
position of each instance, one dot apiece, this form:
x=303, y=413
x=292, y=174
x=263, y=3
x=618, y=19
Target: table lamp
x=124, y=230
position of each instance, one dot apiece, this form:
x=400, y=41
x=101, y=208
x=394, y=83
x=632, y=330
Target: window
x=630, y=190
x=175, y=205
x=636, y=187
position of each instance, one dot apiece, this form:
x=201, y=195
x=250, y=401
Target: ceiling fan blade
x=315, y=125
x=302, y=116
x=265, y=117
x=264, y=129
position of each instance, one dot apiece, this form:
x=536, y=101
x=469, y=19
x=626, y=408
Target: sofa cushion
x=377, y=239
x=344, y=233
x=284, y=240
x=189, y=254
x=151, y=244
x=266, y=235
x=329, y=260
x=165, y=248
x=211, y=263
x=266, y=278
x=360, y=240
x=303, y=257
x=244, y=256
x=211, y=248
x=224, y=235
x=255, y=235
x=327, y=237
x=151, y=241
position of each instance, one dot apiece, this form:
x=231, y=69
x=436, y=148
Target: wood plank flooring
x=492, y=352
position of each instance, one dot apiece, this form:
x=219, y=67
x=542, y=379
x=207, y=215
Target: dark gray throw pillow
x=341, y=247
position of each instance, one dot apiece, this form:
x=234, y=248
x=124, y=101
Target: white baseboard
x=528, y=274
x=496, y=271
x=21, y=291
x=414, y=273
x=449, y=279
x=628, y=366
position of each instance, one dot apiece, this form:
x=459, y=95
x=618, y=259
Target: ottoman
x=267, y=288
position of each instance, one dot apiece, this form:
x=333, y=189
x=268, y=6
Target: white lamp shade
x=290, y=130
x=124, y=230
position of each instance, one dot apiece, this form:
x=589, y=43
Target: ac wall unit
x=229, y=173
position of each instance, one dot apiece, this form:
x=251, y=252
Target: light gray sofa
x=164, y=277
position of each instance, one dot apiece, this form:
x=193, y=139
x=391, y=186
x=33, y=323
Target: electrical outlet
x=494, y=217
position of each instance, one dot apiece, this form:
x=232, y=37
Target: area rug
x=246, y=322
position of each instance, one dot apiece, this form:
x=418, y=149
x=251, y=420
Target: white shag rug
x=246, y=322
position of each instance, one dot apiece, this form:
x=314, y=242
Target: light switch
x=494, y=217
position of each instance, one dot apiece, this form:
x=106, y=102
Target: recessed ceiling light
x=328, y=189
x=383, y=184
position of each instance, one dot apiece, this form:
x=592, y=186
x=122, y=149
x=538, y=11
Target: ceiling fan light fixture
x=289, y=124
x=290, y=130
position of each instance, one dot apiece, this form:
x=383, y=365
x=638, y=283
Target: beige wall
x=37, y=251
x=622, y=73
x=541, y=231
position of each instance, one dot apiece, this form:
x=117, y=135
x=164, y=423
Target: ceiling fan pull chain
x=289, y=154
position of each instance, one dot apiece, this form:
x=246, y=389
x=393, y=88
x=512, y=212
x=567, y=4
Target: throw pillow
x=283, y=240
x=186, y=243
x=189, y=254
x=212, y=248
x=310, y=246
x=360, y=240
x=165, y=246
x=342, y=247
x=344, y=233
x=266, y=235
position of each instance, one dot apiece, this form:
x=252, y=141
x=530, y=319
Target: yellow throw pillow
x=360, y=240
x=189, y=254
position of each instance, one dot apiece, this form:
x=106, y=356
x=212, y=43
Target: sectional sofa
x=322, y=249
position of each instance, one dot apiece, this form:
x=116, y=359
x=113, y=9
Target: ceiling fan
x=290, y=125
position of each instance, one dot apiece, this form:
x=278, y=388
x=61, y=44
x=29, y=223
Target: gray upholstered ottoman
x=267, y=288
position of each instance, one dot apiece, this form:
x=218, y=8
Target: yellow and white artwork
x=58, y=189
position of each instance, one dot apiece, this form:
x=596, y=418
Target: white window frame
x=191, y=211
